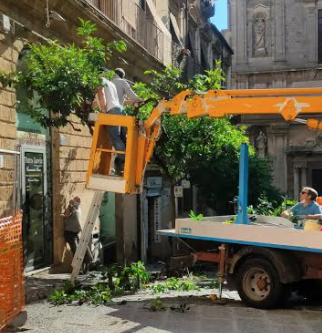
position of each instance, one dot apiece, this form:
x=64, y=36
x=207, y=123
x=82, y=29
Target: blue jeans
x=117, y=134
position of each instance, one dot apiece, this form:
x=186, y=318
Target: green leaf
x=121, y=46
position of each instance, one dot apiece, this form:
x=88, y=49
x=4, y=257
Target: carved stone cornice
x=278, y=129
x=300, y=165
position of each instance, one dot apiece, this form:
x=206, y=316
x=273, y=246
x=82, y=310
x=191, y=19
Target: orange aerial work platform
x=99, y=169
x=142, y=135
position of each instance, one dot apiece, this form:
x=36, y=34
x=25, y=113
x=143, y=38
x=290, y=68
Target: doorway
x=36, y=225
x=317, y=180
x=107, y=228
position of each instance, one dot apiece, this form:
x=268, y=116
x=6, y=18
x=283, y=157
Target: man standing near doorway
x=72, y=220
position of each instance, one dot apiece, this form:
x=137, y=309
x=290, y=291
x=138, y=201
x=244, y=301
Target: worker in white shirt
x=109, y=103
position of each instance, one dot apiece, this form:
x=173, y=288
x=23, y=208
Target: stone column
x=304, y=174
x=279, y=32
x=277, y=144
x=300, y=176
x=296, y=181
x=240, y=15
x=310, y=30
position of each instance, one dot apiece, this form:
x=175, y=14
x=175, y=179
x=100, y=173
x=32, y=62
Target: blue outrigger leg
x=242, y=217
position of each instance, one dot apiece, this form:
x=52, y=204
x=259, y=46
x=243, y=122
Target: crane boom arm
x=142, y=135
x=288, y=103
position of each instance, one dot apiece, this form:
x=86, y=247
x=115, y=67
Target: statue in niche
x=261, y=144
x=260, y=31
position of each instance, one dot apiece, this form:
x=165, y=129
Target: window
x=320, y=36
x=142, y=4
x=24, y=121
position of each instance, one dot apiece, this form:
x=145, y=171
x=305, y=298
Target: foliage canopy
x=206, y=150
x=64, y=78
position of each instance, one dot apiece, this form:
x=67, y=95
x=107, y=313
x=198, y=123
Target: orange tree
x=62, y=79
x=205, y=150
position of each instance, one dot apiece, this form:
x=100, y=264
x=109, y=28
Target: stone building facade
x=277, y=44
x=205, y=45
x=54, y=161
x=9, y=55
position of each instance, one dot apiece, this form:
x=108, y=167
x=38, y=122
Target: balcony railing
x=127, y=15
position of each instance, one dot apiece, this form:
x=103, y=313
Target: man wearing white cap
x=124, y=91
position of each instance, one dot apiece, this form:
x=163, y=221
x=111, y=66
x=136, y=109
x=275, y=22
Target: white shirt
x=124, y=90
x=111, y=96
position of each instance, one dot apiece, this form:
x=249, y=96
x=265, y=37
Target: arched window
x=24, y=121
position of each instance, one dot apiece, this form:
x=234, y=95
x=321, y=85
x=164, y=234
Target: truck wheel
x=258, y=284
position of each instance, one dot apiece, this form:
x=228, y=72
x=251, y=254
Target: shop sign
x=178, y=191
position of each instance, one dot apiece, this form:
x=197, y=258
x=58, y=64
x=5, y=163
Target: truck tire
x=258, y=284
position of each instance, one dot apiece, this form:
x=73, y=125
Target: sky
x=220, y=18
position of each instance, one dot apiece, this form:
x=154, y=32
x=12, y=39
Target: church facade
x=278, y=44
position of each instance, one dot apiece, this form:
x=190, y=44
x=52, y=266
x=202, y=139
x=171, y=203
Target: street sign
x=185, y=183
x=178, y=191
x=62, y=139
x=153, y=186
x=154, y=182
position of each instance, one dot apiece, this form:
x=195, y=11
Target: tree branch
x=74, y=128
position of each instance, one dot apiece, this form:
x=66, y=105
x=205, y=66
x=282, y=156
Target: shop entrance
x=36, y=208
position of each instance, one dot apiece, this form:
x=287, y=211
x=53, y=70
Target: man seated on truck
x=307, y=208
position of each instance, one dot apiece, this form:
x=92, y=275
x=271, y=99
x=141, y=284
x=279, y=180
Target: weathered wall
x=9, y=52
x=273, y=34
x=275, y=44
x=70, y=151
x=70, y=155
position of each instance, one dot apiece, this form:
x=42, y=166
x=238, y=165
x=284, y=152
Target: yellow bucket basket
x=312, y=225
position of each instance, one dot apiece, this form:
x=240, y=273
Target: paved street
x=203, y=316
x=131, y=313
